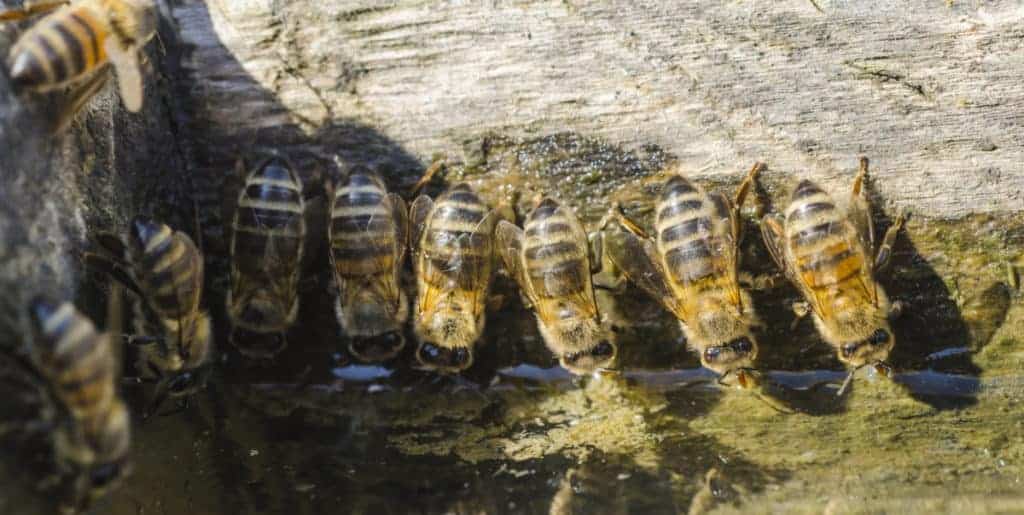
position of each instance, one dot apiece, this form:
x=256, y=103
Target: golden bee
x=691, y=267
x=268, y=231
x=82, y=367
x=453, y=257
x=368, y=234
x=832, y=257
x=164, y=269
x=552, y=262
x=74, y=43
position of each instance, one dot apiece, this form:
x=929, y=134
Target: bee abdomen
x=457, y=244
x=270, y=206
x=170, y=268
x=58, y=50
x=79, y=360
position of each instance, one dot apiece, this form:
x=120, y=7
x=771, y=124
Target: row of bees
x=689, y=265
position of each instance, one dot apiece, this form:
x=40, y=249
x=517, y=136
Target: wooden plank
x=930, y=90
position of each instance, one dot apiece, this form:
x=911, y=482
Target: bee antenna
x=847, y=382
x=159, y=396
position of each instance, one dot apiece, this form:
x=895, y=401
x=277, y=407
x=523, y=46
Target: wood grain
x=930, y=90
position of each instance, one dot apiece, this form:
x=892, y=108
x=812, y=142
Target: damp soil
x=315, y=432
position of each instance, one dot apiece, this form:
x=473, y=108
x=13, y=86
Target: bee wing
x=418, y=212
x=129, y=72
x=583, y=299
x=728, y=248
x=509, y=242
x=860, y=213
x=637, y=261
x=79, y=95
x=774, y=234
x=401, y=216
x=483, y=272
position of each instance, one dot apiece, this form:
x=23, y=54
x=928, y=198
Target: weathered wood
x=54, y=190
x=930, y=90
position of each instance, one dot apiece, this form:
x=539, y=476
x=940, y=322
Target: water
x=313, y=432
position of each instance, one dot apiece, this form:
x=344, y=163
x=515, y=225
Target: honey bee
x=833, y=258
x=82, y=369
x=368, y=232
x=552, y=262
x=77, y=41
x=164, y=269
x=691, y=267
x=453, y=256
x=268, y=231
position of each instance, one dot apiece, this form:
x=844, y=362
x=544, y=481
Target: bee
x=368, y=232
x=75, y=43
x=164, y=269
x=82, y=369
x=453, y=257
x=552, y=262
x=691, y=267
x=833, y=258
x=268, y=231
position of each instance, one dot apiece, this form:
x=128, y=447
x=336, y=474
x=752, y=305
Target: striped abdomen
x=268, y=227
x=819, y=239
x=692, y=229
x=83, y=370
x=555, y=253
x=169, y=269
x=60, y=48
x=363, y=231
x=457, y=247
x=268, y=231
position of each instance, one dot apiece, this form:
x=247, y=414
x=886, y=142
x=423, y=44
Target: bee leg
x=141, y=339
x=595, y=242
x=749, y=181
x=616, y=214
x=31, y=9
x=428, y=175
x=884, y=252
x=801, y=310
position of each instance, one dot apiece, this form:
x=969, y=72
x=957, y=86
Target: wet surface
x=312, y=431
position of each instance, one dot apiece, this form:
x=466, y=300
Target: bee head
x=143, y=231
x=874, y=348
x=258, y=345
x=443, y=359
x=377, y=348
x=740, y=352
x=587, y=361
x=188, y=382
x=43, y=313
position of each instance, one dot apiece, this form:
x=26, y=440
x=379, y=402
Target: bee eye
x=603, y=350
x=711, y=354
x=879, y=337
x=849, y=349
x=742, y=345
x=440, y=358
x=378, y=348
